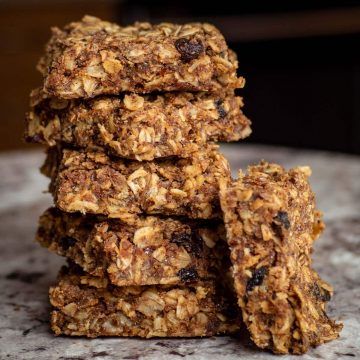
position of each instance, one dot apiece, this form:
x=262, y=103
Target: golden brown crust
x=88, y=306
x=271, y=223
x=138, y=127
x=91, y=182
x=93, y=57
x=139, y=251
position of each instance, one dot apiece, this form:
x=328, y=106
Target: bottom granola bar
x=271, y=223
x=143, y=250
x=88, y=306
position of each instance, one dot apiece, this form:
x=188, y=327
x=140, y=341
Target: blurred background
x=301, y=61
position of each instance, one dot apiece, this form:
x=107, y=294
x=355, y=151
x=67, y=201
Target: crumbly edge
x=89, y=306
x=92, y=182
x=271, y=223
x=139, y=250
x=138, y=127
x=93, y=57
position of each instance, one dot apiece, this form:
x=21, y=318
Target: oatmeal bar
x=93, y=57
x=88, y=306
x=140, y=251
x=271, y=223
x=92, y=182
x=138, y=127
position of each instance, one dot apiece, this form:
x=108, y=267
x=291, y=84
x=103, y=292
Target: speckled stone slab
x=27, y=271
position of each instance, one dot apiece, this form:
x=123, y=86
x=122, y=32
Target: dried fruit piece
x=189, y=50
x=220, y=109
x=188, y=274
x=256, y=278
x=283, y=218
x=66, y=242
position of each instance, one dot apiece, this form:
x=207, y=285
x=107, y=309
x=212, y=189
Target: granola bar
x=138, y=127
x=92, y=182
x=271, y=223
x=88, y=306
x=93, y=57
x=140, y=251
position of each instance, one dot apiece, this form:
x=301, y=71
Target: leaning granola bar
x=92, y=182
x=139, y=251
x=138, y=127
x=88, y=306
x=93, y=57
x=271, y=224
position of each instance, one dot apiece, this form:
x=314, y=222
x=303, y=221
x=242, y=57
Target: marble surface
x=26, y=270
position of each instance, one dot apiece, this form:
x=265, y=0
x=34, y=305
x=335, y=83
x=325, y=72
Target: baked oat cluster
x=272, y=223
x=160, y=241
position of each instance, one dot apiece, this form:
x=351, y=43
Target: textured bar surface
x=92, y=182
x=138, y=127
x=271, y=223
x=88, y=306
x=93, y=57
x=139, y=251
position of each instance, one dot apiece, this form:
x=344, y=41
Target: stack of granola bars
x=145, y=209
x=130, y=116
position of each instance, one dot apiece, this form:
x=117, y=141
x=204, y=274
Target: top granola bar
x=93, y=57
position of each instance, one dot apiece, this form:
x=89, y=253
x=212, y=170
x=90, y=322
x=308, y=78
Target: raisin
x=35, y=138
x=67, y=242
x=320, y=293
x=188, y=274
x=191, y=242
x=181, y=239
x=283, y=218
x=257, y=278
x=188, y=50
x=197, y=244
x=221, y=111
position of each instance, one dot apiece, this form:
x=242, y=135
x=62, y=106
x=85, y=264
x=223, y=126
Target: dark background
x=300, y=60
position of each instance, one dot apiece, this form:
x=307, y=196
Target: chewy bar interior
x=88, y=306
x=92, y=182
x=94, y=57
x=271, y=223
x=139, y=251
x=138, y=127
